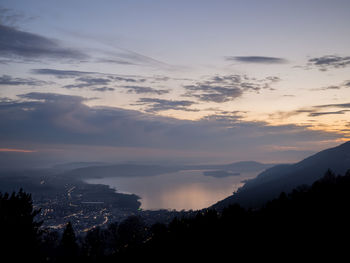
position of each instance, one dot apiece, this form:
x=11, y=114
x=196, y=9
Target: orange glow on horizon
x=16, y=150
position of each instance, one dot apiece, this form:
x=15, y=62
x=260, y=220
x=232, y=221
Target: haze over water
x=183, y=190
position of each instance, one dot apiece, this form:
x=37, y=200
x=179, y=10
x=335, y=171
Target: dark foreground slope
x=313, y=220
x=271, y=182
x=309, y=223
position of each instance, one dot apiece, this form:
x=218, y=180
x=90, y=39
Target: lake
x=183, y=190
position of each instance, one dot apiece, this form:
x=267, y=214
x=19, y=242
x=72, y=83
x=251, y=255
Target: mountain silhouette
x=120, y=170
x=89, y=170
x=283, y=178
x=236, y=167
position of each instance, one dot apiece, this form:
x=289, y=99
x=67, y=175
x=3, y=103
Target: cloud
x=312, y=111
x=61, y=73
x=20, y=45
x=115, y=61
x=227, y=88
x=156, y=105
x=257, y=59
x=6, y=80
x=8, y=17
x=66, y=122
x=50, y=98
x=336, y=105
x=225, y=116
x=83, y=79
x=85, y=82
x=16, y=150
x=216, y=94
x=145, y=90
x=129, y=79
x=344, y=85
x=316, y=114
x=281, y=115
x=15, y=43
x=94, y=80
x=103, y=89
x=83, y=74
x=95, y=83
x=328, y=88
x=329, y=61
x=125, y=56
x=11, y=18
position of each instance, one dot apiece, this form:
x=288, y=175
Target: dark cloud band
x=63, y=119
x=25, y=45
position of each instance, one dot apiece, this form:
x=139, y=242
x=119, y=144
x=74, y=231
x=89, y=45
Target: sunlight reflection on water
x=188, y=189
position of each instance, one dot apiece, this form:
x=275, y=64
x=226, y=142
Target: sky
x=172, y=81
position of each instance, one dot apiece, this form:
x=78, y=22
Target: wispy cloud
x=86, y=82
x=50, y=97
x=345, y=84
x=227, y=88
x=257, y=59
x=329, y=61
x=61, y=73
x=282, y=115
x=15, y=43
x=119, y=55
x=156, y=105
x=145, y=90
x=225, y=116
x=11, y=150
x=10, y=17
x=316, y=114
x=335, y=105
x=129, y=57
x=102, y=82
x=19, y=45
x=58, y=73
x=327, y=88
x=6, y=80
x=115, y=61
x=103, y=89
x=313, y=111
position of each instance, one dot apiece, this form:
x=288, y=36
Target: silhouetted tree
x=131, y=232
x=19, y=232
x=111, y=238
x=68, y=245
x=94, y=244
x=50, y=242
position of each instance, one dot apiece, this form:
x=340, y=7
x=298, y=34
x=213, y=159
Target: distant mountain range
x=283, y=178
x=100, y=170
x=119, y=170
x=76, y=165
x=237, y=167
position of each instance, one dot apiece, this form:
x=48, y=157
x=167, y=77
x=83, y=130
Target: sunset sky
x=176, y=81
